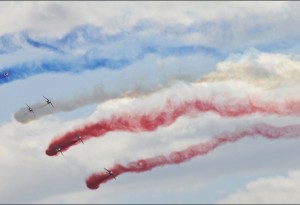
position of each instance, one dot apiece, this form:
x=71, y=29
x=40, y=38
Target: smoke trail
x=78, y=36
x=23, y=113
x=132, y=82
x=265, y=70
x=100, y=94
x=177, y=157
x=26, y=70
x=254, y=67
x=97, y=46
x=138, y=122
x=88, y=35
x=92, y=61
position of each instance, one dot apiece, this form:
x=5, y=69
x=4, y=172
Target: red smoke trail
x=267, y=131
x=137, y=122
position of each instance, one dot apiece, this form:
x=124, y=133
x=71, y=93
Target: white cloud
x=270, y=190
x=223, y=25
x=59, y=17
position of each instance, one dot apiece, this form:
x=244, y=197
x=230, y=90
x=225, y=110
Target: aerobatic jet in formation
x=48, y=101
x=5, y=75
x=79, y=138
x=110, y=173
x=30, y=110
x=57, y=149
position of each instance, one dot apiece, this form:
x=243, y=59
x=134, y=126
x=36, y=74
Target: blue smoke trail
x=78, y=36
x=90, y=62
x=85, y=35
x=93, y=40
x=8, y=44
x=88, y=34
x=26, y=70
x=39, y=44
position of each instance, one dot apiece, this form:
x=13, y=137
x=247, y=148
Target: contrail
x=138, y=122
x=177, y=157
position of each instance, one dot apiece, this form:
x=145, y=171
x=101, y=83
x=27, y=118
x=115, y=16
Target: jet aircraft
x=30, y=110
x=5, y=74
x=79, y=138
x=57, y=149
x=110, y=173
x=48, y=101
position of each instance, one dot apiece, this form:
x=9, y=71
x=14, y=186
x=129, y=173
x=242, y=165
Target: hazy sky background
x=98, y=59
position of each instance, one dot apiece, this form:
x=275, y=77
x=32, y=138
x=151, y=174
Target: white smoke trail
x=263, y=70
x=133, y=81
x=266, y=70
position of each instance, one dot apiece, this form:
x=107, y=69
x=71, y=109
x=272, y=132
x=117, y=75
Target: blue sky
x=98, y=59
